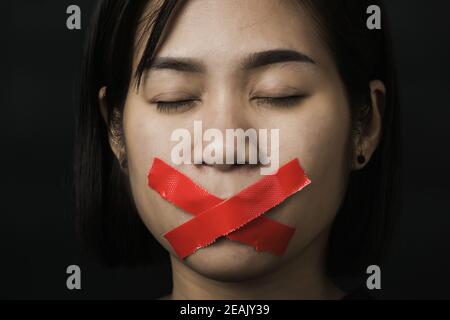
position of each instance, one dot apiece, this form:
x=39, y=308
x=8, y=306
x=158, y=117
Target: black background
x=40, y=62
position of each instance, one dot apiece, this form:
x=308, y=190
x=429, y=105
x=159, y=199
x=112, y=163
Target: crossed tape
x=238, y=217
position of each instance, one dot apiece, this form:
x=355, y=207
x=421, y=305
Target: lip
x=223, y=180
x=230, y=168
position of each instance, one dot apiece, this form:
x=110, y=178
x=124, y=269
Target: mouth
x=232, y=217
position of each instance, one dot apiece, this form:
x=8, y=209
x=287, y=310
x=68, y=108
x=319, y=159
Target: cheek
x=146, y=137
x=319, y=137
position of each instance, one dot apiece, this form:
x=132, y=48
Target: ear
x=369, y=137
x=115, y=134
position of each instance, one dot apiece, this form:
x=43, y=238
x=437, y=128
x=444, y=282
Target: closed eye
x=287, y=101
x=173, y=106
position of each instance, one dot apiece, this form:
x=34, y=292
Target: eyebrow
x=264, y=58
x=253, y=61
x=177, y=64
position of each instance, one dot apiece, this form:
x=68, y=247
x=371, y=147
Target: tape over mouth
x=239, y=217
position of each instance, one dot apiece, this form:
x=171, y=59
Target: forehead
x=226, y=30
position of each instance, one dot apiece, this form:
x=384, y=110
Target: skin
x=316, y=130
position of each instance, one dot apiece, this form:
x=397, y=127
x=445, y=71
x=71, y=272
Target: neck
x=303, y=277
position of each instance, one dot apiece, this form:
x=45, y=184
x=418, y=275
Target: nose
x=229, y=140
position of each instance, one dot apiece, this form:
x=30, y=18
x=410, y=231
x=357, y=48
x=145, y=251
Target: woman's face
x=219, y=37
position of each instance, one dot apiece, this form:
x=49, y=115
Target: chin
x=230, y=261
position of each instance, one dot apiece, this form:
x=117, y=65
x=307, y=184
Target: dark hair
x=108, y=219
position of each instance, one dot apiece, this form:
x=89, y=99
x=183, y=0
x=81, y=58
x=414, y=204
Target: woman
x=310, y=69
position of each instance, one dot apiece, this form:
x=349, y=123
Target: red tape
x=239, y=217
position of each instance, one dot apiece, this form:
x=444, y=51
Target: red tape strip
x=172, y=186
x=239, y=217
